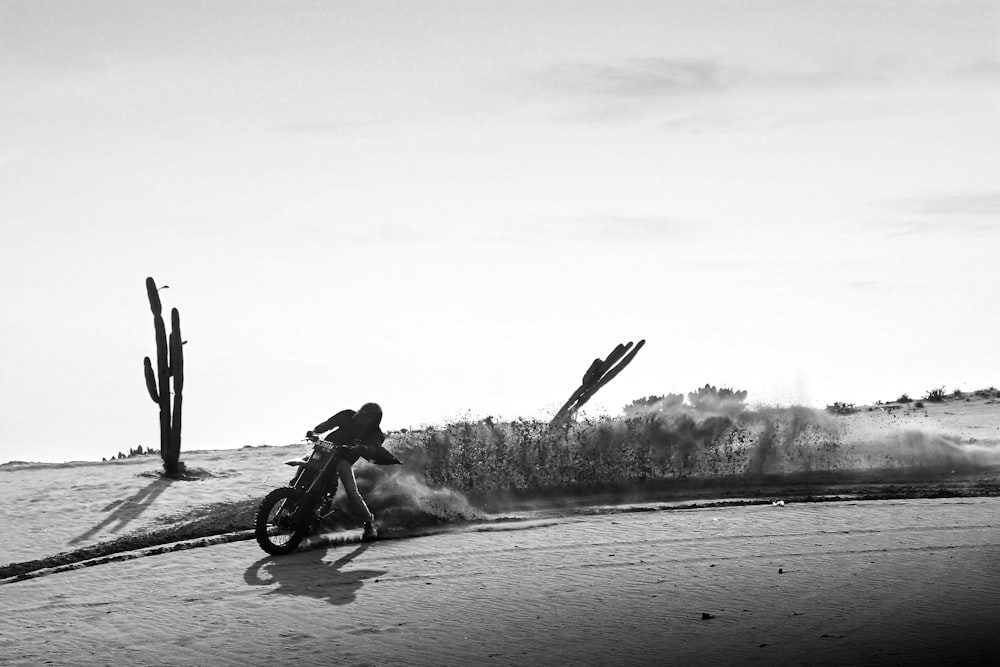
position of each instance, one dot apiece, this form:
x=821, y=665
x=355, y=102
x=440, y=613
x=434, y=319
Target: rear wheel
x=272, y=526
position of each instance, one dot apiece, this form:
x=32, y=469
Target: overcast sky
x=452, y=207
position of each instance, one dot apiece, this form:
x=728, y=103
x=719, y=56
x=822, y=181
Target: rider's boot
x=370, y=533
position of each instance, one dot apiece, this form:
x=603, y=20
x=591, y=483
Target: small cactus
x=169, y=363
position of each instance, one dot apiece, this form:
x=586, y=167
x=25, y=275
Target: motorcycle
x=288, y=514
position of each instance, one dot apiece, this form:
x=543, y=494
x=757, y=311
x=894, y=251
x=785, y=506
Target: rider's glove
x=311, y=436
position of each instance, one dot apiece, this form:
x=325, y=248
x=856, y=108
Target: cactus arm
x=610, y=375
x=176, y=351
x=154, y=297
x=590, y=378
x=615, y=355
x=625, y=361
x=150, y=380
x=599, y=374
x=593, y=373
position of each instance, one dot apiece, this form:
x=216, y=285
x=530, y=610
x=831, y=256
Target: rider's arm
x=342, y=418
x=346, y=473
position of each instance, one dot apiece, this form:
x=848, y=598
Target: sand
x=878, y=582
x=875, y=582
x=76, y=505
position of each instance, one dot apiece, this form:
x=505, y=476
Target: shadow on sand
x=125, y=511
x=306, y=573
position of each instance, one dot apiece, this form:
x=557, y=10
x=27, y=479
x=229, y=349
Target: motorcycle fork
x=303, y=515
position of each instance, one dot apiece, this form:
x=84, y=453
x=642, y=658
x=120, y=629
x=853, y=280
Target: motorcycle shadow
x=306, y=573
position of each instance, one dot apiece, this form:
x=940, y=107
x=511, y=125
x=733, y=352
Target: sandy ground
x=973, y=419
x=880, y=582
x=80, y=504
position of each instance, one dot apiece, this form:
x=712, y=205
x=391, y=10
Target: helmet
x=372, y=411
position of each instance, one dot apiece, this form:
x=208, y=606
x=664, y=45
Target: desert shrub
x=904, y=398
x=650, y=405
x=710, y=399
x=707, y=400
x=842, y=408
x=935, y=395
x=587, y=455
x=132, y=453
x=525, y=458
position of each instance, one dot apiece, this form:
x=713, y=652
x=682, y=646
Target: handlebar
x=313, y=437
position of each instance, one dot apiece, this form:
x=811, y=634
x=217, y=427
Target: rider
x=357, y=435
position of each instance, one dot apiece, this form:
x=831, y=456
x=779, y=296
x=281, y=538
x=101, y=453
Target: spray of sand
x=401, y=500
x=452, y=472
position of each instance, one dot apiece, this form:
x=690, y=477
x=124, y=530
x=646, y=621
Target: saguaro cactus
x=599, y=374
x=169, y=363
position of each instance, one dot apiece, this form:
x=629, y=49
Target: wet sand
x=877, y=582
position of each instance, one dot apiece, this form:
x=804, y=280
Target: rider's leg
x=351, y=488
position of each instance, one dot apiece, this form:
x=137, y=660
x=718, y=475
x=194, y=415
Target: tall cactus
x=169, y=363
x=599, y=374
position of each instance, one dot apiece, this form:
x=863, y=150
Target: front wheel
x=272, y=525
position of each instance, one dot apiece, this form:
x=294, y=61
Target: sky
x=451, y=208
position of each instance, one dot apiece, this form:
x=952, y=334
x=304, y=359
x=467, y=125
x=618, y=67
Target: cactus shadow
x=306, y=573
x=123, y=512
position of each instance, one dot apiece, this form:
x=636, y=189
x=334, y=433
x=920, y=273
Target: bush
x=642, y=407
x=905, y=398
x=710, y=399
x=935, y=395
x=132, y=453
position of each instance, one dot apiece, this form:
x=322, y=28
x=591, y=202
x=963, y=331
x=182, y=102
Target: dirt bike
x=289, y=514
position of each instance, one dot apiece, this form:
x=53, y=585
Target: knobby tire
x=270, y=525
